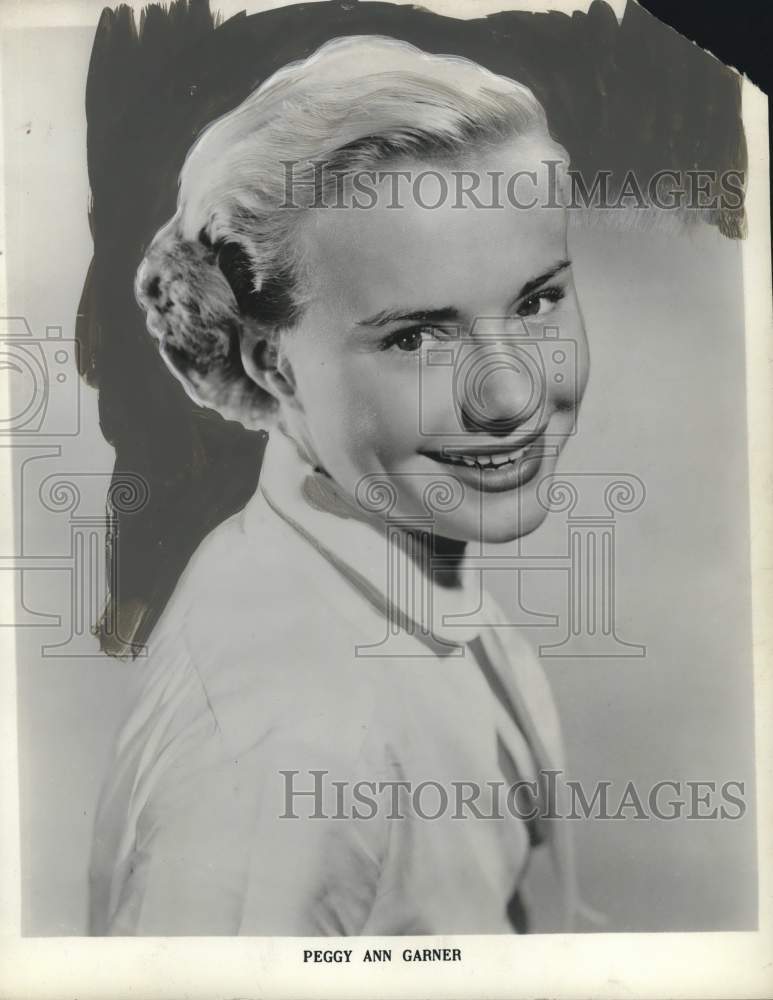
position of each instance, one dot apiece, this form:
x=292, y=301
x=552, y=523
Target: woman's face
x=442, y=345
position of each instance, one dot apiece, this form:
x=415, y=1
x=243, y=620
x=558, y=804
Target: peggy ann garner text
x=344, y=955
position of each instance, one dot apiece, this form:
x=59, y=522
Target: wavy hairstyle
x=230, y=254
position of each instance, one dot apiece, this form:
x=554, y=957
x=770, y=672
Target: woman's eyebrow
x=534, y=283
x=450, y=314
x=446, y=314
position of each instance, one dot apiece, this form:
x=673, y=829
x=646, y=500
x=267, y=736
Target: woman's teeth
x=485, y=461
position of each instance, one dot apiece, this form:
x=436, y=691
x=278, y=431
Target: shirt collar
x=373, y=554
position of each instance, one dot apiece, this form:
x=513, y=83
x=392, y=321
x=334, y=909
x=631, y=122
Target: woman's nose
x=498, y=387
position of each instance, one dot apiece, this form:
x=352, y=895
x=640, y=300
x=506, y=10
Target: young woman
x=368, y=258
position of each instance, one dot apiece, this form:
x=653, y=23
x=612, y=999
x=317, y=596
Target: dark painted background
x=633, y=95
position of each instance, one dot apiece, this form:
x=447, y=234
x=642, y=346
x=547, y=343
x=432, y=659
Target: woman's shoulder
x=224, y=562
x=257, y=577
x=256, y=625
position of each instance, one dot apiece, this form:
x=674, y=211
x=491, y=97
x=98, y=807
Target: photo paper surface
x=386, y=427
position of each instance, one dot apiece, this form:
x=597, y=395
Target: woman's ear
x=265, y=362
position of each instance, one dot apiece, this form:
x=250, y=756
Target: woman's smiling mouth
x=498, y=467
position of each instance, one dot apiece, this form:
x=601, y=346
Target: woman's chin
x=493, y=527
x=507, y=530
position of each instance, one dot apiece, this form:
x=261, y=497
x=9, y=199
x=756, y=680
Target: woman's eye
x=410, y=339
x=541, y=303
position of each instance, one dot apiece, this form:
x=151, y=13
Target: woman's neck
x=444, y=556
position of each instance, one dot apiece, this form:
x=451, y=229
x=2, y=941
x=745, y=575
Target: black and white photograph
x=387, y=424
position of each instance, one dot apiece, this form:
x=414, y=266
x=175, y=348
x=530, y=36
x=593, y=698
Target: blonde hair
x=230, y=254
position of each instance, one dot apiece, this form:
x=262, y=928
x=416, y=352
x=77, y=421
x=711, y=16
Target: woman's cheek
x=568, y=365
x=348, y=409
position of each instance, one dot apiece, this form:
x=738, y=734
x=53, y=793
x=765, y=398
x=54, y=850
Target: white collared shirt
x=288, y=659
